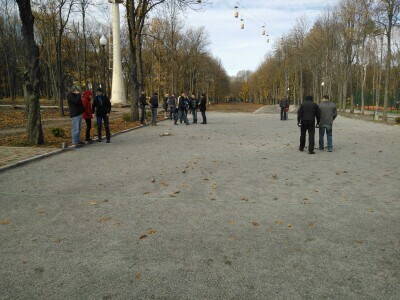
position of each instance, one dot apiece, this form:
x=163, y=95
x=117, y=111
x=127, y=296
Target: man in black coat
x=203, y=108
x=154, y=107
x=142, y=104
x=102, y=108
x=284, y=105
x=76, y=110
x=306, y=115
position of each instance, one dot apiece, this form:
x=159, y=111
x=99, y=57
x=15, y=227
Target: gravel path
x=230, y=210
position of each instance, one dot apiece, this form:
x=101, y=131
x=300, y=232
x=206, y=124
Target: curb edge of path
x=58, y=151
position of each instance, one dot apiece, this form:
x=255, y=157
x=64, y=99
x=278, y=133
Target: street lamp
x=103, y=43
x=118, y=95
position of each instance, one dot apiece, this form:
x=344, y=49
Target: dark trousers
x=182, y=114
x=154, y=116
x=143, y=115
x=283, y=113
x=100, y=120
x=194, y=113
x=328, y=129
x=203, y=115
x=88, y=128
x=310, y=127
x=172, y=113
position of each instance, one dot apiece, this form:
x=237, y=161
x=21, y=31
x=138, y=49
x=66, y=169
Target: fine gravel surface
x=228, y=210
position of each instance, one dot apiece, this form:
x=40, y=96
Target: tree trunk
x=31, y=74
x=387, y=68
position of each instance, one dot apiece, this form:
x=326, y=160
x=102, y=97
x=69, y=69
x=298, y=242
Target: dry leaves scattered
x=5, y=222
x=255, y=224
x=104, y=219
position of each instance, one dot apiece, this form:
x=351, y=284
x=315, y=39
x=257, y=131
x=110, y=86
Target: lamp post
x=322, y=88
x=103, y=43
x=118, y=95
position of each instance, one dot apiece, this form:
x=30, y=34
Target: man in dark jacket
x=193, y=107
x=284, y=105
x=172, y=107
x=306, y=116
x=182, y=109
x=142, y=104
x=328, y=115
x=76, y=110
x=154, y=107
x=203, y=108
x=102, y=109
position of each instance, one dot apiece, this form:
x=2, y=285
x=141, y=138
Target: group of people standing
x=176, y=108
x=81, y=107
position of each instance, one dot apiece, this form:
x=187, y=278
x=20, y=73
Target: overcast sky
x=245, y=49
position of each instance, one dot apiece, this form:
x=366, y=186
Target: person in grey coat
x=328, y=114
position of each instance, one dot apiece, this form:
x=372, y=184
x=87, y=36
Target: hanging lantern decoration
x=236, y=12
x=241, y=24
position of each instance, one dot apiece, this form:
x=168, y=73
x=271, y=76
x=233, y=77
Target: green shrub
x=126, y=117
x=58, y=132
x=397, y=120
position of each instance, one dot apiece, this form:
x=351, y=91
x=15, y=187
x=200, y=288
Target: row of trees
x=351, y=53
x=64, y=49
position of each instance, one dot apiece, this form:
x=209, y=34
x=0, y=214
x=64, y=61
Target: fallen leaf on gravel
x=275, y=198
x=92, y=203
x=231, y=222
x=214, y=186
x=58, y=241
x=345, y=172
x=172, y=195
x=311, y=225
x=177, y=192
x=274, y=176
x=289, y=225
x=337, y=173
x=104, y=219
x=279, y=222
x=370, y=210
x=146, y=193
x=244, y=199
x=255, y=223
x=151, y=231
x=138, y=276
x=153, y=180
x=359, y=242
x=316, y=191
x=41, y=212
x=206, y=179
x=212, y=199
x=232, y=238
x=166, y=134
x=163, y=183
x=143, y=237
x=5, y=222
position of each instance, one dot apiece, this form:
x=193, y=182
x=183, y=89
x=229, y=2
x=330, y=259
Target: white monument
x=118, y=95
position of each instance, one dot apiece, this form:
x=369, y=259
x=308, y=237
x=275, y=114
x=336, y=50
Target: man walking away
x=203, y=108
x=284, y=105
x=193, y=106
x=88, y=113
x=172, y=107
x=306, y=116
x=102, y=108
x=142, y=103
x=75, y=111
x=154, y=107
x=182, y=109
x=328, y=115
x=165, y=105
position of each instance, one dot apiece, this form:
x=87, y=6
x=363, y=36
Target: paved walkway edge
x=58, y=151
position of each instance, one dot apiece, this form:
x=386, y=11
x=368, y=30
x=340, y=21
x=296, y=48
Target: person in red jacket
x=88, y=113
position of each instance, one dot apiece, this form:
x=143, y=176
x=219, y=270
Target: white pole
x=118, y=90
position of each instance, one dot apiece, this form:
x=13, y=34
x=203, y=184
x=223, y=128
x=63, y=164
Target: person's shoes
x=330, y=150
x=89, y=141
x=301, y=150
x=108, y=141
x=311, y=152
x=321, y=149
x=99, y=140
x=81, y=143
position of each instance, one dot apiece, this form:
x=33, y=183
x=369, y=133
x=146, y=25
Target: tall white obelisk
x=118, y=95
